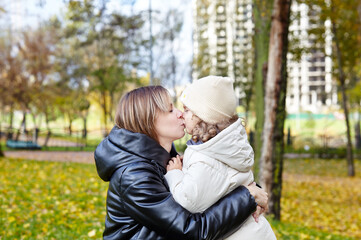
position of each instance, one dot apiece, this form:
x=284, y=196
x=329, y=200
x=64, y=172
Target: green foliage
x=106, y=46
x=180, y=146
x=354, y=95
x=322, y=152
x=317, y=167
x=341, y=19
x=293, y=231
x=202, y=61
x=59, y=68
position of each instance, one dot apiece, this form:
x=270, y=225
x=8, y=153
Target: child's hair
x=205, y=131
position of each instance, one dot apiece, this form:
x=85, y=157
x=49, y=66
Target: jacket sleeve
x=147, y=200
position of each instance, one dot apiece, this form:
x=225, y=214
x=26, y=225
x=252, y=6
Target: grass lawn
x=48, y=200
x=318, y=194
x=52, y=200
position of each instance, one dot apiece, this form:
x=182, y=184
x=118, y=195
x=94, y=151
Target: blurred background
x=296, y=64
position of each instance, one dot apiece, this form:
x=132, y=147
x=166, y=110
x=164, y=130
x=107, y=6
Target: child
x=218, y=158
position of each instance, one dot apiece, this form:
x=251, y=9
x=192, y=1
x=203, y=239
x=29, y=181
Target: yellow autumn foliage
x=52, y=200
x=329, y=201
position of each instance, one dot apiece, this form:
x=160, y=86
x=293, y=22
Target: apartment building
x=222, y=39
x=310, y=84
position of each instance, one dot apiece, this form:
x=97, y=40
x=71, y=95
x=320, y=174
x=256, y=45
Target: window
x=312, y=69
x=313, y=88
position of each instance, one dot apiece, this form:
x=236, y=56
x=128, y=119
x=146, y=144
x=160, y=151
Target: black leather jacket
x=139, y=204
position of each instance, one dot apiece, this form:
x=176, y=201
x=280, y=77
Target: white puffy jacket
x=213, y=169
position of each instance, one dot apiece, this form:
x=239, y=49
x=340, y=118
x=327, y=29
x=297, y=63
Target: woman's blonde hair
x=205, y=131
x=138, y=109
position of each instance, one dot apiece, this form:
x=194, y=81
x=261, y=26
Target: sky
x=22, y=14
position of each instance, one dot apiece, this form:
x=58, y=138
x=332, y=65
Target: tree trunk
x=105, y=112
x=47, y=138
x=358, y=131
x=70, y=128
x=47, y=120
x=48, y=128
x=262, y=15
x=289, y=139
x=359, y=11
x=23, y=124
x=36, y=129
x=358, y=134
x=271, y=162
x=111, y=108
x=350, y=162
x=70, y=125
x=11, y=123
x=1, y=149
x=173, y=64
x=85, y=131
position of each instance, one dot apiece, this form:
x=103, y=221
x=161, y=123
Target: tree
x=343, y=59
x=243, y=53
x=37, y=48
x=16, y=84
x=2, y=92
x=262, y=12
x=274, y=114
x=355, y=102
x=202, y=63
x=67, y=105
x=83, y=106
x=2, y=65
x=109, y=46
x=343, y=21
x=49, y=107
x=166, y=40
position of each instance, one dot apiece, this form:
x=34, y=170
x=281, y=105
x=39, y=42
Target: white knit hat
x=211, y=98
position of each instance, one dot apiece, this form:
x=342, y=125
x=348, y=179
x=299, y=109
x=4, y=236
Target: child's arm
x=199, y=186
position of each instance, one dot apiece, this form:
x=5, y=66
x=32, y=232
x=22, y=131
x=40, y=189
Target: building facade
x=310, y=84
x=222, y=42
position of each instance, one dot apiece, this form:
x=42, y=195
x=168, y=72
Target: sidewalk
x=56, y=156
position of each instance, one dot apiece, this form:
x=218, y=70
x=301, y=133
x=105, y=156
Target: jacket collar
x=139, y=144
x=122, y=147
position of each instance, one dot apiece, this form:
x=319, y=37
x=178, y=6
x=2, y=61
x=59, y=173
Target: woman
x=133, y=159
x=218, y=154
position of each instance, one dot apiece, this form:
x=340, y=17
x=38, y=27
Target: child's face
x=190, y=120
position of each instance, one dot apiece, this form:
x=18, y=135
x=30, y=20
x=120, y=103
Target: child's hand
x=258, y=213
x=175, y=163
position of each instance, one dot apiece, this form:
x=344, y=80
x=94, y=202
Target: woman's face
x=169, y=125
x=190, y=120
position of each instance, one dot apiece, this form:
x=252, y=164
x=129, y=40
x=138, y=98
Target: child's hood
x=230, y=146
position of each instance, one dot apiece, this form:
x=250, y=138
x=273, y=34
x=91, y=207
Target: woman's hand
x=259, y=195
x=175, y=163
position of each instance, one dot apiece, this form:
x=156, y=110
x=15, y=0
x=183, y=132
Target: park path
x=52, y=142
x=56, y=156
x=80, y=157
